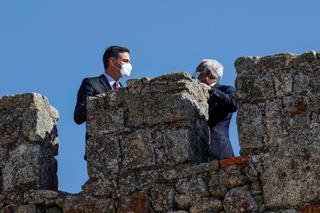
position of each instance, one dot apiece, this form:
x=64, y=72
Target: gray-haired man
x=221, y=106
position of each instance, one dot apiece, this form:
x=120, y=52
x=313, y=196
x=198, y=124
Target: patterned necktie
x=116, y=85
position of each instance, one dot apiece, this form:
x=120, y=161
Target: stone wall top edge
x=9, y=99
x=172, y=76
x=165, y=82
x=26, y=94
x=29, y=97
x=29, y=100
x=283, y=60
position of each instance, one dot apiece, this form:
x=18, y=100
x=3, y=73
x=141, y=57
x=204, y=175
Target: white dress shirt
x=110, y=80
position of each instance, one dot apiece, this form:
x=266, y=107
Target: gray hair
x=214, y=66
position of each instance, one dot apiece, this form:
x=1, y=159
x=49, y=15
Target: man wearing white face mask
x=117, y=64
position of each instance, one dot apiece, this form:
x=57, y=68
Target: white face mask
x=125, y=70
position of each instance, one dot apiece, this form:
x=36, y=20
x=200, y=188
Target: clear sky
x=48, y=47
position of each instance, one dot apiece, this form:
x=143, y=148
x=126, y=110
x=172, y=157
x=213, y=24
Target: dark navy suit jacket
x=221, y=106
x=89, y=87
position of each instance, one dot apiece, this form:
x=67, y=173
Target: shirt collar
x=109, y=79
x=214, y=85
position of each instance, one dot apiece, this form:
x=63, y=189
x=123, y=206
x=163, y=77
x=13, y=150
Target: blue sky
x=48, y=47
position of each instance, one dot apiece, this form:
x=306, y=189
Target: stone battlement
x=28, y=143
x=147, y=146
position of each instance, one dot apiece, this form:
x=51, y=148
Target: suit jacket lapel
x=104, y=82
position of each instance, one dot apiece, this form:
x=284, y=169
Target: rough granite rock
x=279, y=120
x=239, y=200
x=207, y=205
x=285, y=183
x=153, y=125
x=28, y=143
x=27, y=117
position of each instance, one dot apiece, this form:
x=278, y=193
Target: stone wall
x=140, y=134
x=28, y=143
x=278, y=124
x=147, y=146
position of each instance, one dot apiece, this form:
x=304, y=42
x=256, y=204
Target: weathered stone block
x=137, y=150
x=274, y=123
x=42, y=196
x=86, y=204
x=301, y=83
x=112, y=121
x=19, y=209
x=54, y=210
x=195, y=187
x=104, y=155
x=3, y=156
x=141, y=180
x=315, y=108
x=307, y=61
x=296, y=112
x=218, y=191
x=283, y=84
x=246, y=64
x=251, y=171
x=27, y=117
x=284, y=62
x=137, y=202
x=162, y=84
x=214, y=167
x=251, y=128
x=239, y=200
x=230, y=177
x=28, y=143
x=290, y=175
x=168, y=175
x=255, y=188
x=162, y=198
x=106, y=112
x=183, y=201
x=207, y=205
x=254, y=88
x=168, y=98
x=101, y=187
x=154, y=109
x=29, y=167
x=202, y=169
x=314, y=78
x=311, y=208
x=175, y=146
x=26, y=209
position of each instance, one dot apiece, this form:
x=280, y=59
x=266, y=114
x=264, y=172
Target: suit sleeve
x=226, y=98
x=80, y=112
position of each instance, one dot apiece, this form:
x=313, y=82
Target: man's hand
x=206, y=86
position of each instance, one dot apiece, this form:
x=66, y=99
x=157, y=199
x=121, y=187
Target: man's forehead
x=124, y=55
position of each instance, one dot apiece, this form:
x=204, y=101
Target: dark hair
x=113, y=51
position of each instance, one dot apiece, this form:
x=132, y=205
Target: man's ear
x=110, y=62
x=211, y=76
